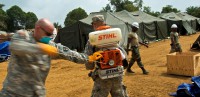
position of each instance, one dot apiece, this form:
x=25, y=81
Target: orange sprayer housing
x=108, y=55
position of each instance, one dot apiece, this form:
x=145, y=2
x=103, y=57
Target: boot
x=144, y=71
x=129, y=68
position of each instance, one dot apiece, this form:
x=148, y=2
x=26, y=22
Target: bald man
x=30, y=61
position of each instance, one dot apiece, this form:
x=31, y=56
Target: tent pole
x=143, y=32
x=80, y=38
x=155, y=23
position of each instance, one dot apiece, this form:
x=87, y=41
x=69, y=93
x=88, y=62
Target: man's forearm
x=143, y=44
x=70, y=55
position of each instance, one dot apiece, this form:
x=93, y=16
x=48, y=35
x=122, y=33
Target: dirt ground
x=68, y=79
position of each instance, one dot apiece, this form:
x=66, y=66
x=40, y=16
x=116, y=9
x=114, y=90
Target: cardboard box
x=185, y=63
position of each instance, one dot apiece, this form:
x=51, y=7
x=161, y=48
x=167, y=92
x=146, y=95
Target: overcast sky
x=56, y=10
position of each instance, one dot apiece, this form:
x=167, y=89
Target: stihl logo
x=111, y=71
x=107, y=36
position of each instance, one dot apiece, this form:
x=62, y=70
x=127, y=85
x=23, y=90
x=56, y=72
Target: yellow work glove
x=48, y=49
x=95, y=56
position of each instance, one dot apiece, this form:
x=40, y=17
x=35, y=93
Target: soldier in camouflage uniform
x=102, y=87
x=133, y=41
x=175, y=45
x=30, y=62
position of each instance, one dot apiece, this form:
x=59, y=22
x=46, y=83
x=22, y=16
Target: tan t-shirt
x=174, y=37
x=134, y=39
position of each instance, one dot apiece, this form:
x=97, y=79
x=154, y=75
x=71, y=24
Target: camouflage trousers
x=176, y=48
x=114, y=86
x=136, y=57
x=5, y=93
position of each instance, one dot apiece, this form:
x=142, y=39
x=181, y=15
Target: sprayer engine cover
x=104, y=38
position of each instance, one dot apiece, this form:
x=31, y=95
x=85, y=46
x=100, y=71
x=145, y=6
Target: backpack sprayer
x=110, y=65
x=108, y=40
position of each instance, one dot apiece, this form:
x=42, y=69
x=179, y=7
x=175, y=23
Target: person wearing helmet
x=134, y=43
x=103, y=86
x=175, y=45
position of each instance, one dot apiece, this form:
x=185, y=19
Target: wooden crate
x=186, y=63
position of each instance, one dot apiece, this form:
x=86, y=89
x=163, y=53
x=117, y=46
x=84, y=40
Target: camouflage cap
x=97, y=18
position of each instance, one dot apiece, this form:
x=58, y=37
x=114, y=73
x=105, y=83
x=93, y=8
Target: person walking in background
x=134, y=43
x=175, y=45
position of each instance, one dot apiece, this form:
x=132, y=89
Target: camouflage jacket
x=29, y=66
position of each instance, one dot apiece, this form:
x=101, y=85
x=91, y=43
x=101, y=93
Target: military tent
x=198, y=24
x=73, y=36
x=172, y=18
x=191, y=20
x=151, y=28
x=76, y=35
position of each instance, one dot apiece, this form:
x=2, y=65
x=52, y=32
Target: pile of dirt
x=68, y=79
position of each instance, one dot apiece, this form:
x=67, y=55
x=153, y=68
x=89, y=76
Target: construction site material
x=185, y=63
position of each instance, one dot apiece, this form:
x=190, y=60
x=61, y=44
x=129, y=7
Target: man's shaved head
x=43, y=26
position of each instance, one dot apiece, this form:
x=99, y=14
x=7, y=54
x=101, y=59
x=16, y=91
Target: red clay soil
x=68, y=79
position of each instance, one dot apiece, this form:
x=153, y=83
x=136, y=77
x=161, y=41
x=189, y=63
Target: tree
x=106, y=9
x=130, y=7
x=74, y=16
x=57, y=25
x=31, y=18
x=194, y=11
x=119, y=5
x=1, y=6
x=156, y=14
x=169, y=8
x=147, y=10
x=17, y=18
x=3, y=18
x=139, y=4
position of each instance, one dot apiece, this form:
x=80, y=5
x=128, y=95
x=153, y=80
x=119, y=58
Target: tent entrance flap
x=196, y=44
x=188, y=28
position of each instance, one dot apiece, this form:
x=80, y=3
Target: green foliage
x=194, y=11
x=57, y=25
x=119, y=5
x=139, y=4
x=156, y=14
x=130, y=8
x=31, y=18
x=17, y=18
x=169, y=8
x=1, y=6
x=74, y=16
x=106, y=9
x=147, y=10
x=3, y=18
